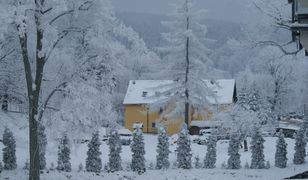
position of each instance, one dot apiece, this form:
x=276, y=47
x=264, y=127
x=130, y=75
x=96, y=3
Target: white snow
x=143, y=91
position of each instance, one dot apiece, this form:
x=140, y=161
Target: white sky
x=230, y=10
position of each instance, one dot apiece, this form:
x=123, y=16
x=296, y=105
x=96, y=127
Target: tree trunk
x=245, y=145
x=186, y=74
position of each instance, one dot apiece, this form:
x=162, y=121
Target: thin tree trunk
x=186, y=74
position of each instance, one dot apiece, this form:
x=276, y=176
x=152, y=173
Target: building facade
x=141, y=94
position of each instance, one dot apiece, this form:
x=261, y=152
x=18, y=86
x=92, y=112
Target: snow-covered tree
x=94, y=161
x=257, y=147
x=47, y=24
x=138, y=150
x=281, y=151
x=9, y=150
x=210, y=157
x=64, y=152
x=234, y=161
x=184, y=150
x=42, y=140
x=115, y=149
x=162, y=157
x=1, y=167
x=186, y=60
x=300, y=145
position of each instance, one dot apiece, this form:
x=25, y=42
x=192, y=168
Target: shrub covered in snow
x=9, y=150
x=198, y=164
x=210, y=157
x=115, y=149
x=162, y=158
x=257, y=147
x=64, y=152
x=80, y=167
x=234, y=161
x=93, y=161
x=184, y=150
x=281, y=151
x=300, y=146
x=138, y=150
x=27, y=165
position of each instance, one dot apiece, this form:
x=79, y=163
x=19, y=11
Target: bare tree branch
x=275, y=44
x=6, y=54
x=44, y=105
x=83, y=7
x=61, y=36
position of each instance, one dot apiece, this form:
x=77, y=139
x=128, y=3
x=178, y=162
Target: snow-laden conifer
x=210, y=157
x=300, y=146
x=115, y=149
x=138, y=150
x=42, y=140
x=64, y=152
x=234, y=161
x=9, y=150
x=162, y=157
x=93, y=161
x=257, y=147
x=281, y=151
x=184, y=150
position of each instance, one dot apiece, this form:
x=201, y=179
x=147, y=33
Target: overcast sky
x=231, y=10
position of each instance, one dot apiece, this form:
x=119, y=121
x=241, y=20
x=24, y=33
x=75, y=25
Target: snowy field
x=78, y=155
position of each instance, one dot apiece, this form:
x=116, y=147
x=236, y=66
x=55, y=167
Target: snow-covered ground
x=78, y=155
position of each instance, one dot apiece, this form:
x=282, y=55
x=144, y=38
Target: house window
x=161, y=110
x=144, y=94
x=153, y=125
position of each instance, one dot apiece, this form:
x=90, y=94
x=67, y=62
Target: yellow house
x=142, y=93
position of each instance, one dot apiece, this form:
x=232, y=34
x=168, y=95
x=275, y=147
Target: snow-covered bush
x=300, y=146
x=198, y=165
x=281, y=151
x=184, y=150
x=27, y=165
x=257, y=156
x=9, y=150
x=246, y=165
x=64, y=152
x=80, y=167
x=52, y=167
x=42, y=140
x=115, y=149
x=234, y=161
x=93, y=161
x=210, y=157
x=268, y=165
x=162, y=157
x=138, y=150
x=224, y=165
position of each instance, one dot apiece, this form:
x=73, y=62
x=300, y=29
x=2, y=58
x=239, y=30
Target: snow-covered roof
x=144, y=91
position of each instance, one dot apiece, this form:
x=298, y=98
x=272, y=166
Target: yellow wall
x=140, y=114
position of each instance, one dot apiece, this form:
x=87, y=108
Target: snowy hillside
x=149, y=27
